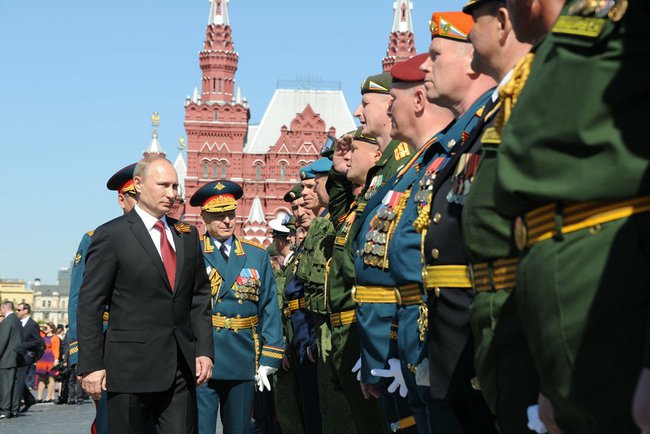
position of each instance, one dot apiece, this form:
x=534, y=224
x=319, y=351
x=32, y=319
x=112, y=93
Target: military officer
x=360, y=154
x=122, y=182
x=303, y=335
x=246, y=320
x=435, y=211
x=287, y=390
x=578, y=188
x=504, y=366
x=417, y=122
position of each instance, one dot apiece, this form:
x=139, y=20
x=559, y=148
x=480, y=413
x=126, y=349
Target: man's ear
x=137, y=184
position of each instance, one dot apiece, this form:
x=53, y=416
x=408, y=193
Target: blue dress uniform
x=374, y=292
x=247, y=328
x=122, y=182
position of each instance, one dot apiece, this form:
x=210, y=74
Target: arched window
x=224, y=169
x=283, y=169
x=215, y=170
x=258, y=172
x=216, y=115
x=206, y=169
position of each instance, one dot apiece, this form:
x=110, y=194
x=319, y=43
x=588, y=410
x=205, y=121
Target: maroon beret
x=409, y=70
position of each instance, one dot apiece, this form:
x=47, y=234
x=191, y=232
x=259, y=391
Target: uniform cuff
x=271, y=356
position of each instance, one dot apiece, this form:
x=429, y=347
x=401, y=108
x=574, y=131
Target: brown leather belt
x=494, y=275
x=556, y=219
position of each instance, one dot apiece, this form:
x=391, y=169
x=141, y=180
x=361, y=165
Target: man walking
x=148, y=269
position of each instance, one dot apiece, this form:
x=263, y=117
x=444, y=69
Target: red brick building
x=265, y=158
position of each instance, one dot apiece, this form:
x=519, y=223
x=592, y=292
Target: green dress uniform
x=504, y=366
x=573, y=169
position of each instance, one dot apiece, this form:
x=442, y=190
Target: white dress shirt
x=504, y=81
x=149, y=223
x=227, y=243
x=23, y=321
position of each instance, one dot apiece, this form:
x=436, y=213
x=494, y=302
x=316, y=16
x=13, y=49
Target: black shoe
x=38, y=401
x=26, y=407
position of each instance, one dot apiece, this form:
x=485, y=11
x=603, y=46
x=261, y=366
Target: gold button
x=521, y=234
x=437, y=217
x=435, y=253
x=476, y=385
x=436, y=291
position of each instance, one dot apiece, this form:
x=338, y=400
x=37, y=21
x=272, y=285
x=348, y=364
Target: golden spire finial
x=182, y=142
x=155, y=120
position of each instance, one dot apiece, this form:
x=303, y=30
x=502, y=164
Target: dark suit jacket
x=31, y=342
x=11, y=337
x=148, y=322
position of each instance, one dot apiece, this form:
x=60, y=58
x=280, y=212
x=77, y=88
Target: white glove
x=534, y=422
x=394, y=371
x=357, y=368
x=262, y=377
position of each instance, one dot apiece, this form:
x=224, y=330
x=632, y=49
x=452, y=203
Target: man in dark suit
x=11, y=336
x=27, y=356
x=149, y=270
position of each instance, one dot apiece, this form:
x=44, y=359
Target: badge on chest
x=247, y=285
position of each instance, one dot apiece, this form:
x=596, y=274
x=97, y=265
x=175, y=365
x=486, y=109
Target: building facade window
x=258, y=172
x=215, y=170
x=224, y=170
x=206, y=168
x=283, y=169
x=216, y=115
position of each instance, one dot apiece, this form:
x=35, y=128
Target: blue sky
x=80, y=79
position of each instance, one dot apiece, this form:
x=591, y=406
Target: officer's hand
x=357, y=368
x=547, y=414
x=394, y=371
x=286, y=365
x=93, y=383
x=203, y=369
x=262, y=377
x=370, y=390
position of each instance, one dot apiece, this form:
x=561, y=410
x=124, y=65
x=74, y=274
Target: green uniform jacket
x=317, y=249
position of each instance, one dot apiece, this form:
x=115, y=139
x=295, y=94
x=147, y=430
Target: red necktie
x=168, y=253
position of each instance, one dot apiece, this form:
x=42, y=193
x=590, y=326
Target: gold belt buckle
x=398, y=296
x=228, y=323
x=521, y=234
x=354, y=295
x=470, y=272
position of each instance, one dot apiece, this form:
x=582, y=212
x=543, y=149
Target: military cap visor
x=217, y=196
x=472, y=4
x=122, y=181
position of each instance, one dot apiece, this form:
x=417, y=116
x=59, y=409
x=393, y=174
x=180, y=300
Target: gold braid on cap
x=509, y=92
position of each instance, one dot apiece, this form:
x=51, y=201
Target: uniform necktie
x=168, y=254
x=222, y=249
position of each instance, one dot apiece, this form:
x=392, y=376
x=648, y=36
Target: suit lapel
x=142, y=235
x=179, y=243
x=236, y=262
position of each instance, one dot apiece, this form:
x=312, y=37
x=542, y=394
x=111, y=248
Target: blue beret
x=321, y=166
x=306, y=173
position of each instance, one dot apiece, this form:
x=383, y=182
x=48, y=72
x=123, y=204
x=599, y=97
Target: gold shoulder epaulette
x=402, y=151
x=253, y=243
x=90, y=233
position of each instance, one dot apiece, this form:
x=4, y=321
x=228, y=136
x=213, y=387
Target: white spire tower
x=402, y=19
x=219, y=12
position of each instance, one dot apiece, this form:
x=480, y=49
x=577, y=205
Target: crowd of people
x=33, y=359
x=472, y=259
